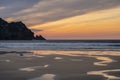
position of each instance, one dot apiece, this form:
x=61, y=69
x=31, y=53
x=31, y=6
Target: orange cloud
x=101, y=24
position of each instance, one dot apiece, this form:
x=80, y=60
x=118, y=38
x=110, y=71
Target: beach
x=59, y=65
x=60, y=60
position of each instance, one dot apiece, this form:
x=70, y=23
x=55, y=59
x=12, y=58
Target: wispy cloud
x=58, y=9
x=52, y=14
x=43, y=11
x=14, y=6
x=2, y=8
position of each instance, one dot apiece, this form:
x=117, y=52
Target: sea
x=110, y=45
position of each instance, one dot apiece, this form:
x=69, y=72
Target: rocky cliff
x=16, y=31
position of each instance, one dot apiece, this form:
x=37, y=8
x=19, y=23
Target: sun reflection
x=45, y=77
x=33, y=68
x=104, y=73
x=77, y=53
x=104, y=61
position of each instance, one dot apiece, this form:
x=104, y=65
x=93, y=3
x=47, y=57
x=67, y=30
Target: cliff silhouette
x=16, y=31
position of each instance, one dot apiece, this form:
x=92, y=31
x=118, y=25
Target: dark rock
x=39, y=37
x=16, y=31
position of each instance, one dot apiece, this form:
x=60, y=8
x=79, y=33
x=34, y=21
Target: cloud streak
x=2, y=8
x=43, y=11
x=66, y=18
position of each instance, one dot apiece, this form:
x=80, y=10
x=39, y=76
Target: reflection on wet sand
x=105, y=74
x=103, y=58
x=33, y=68
x=64, y=65
x=45, y=77
x=7, y=60
x=104, y=61
x=47, y=52
x=58, y=58
x=76, y=53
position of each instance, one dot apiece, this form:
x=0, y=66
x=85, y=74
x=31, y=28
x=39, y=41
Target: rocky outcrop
x=16, y=31
x=39, y=37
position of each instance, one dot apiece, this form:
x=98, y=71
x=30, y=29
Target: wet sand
x=59, y=65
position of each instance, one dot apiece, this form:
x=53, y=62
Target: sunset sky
x=66, y=19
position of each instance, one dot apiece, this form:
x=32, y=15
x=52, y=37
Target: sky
x=66, y=19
